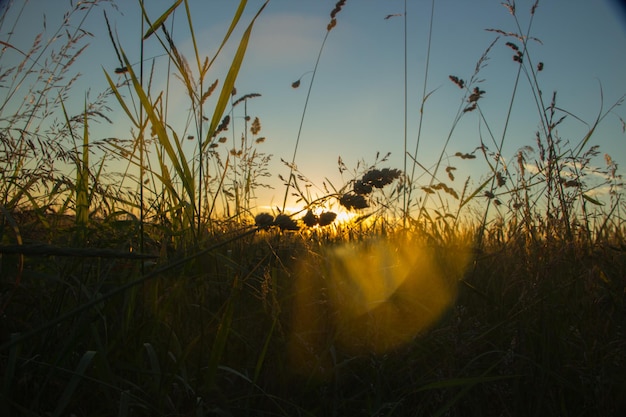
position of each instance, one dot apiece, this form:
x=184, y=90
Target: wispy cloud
x=282, y=39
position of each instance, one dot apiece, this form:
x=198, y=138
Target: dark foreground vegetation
x=506, y=298
x=537, y=327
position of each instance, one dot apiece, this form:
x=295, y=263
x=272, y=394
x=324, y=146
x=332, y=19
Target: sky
x=356, y=106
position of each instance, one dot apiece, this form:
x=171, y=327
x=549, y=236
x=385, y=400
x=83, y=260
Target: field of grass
x=160, y=292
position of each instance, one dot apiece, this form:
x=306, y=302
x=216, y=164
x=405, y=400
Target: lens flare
x=369, y=297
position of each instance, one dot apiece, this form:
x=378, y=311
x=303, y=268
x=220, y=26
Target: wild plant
x=38, y=149
x=554, y=183
x=187, y=201
x=302, y=315
x=333, y=22
x=247, y=165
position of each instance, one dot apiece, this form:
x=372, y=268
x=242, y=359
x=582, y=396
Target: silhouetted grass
x=504, y=299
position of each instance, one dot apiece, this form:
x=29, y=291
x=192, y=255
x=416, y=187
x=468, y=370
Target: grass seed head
x=500, y=179
x=264, y=220
x=223, y=126
x=353, y=201
x=327, y=218
x=379, y=178
x=458, y=81
x=361, y=187
x=476, y=95
x=310, y=219
x=285, y=222
x=256, y=126
x=333, y=22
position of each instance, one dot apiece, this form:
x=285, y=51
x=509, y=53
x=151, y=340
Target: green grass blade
x=77, y=376
x=9, y=374
x=233, y=24
x=263, y=354
x=120, y=100
x=592, y=200
x=124, y=409
x=157, y=24
x=475, y=193
x=229, y=82
x=219, y=345
x=82, y=178
x=155, y=367
x=193, y=39
x=178, y=161
x=463, y=382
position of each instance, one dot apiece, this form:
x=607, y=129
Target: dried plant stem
x=409, y=189
x=306, y=103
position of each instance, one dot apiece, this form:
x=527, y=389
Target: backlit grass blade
x=475, y=193
x=229, y=82
x=82, y=169
x=233, y=24
x=178, y=160
x=120, y=100
x=157, y=24
x=82, y=178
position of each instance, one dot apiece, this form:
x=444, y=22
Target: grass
x=159, y=292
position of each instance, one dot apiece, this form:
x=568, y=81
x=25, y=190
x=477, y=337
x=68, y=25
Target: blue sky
x=356, y=107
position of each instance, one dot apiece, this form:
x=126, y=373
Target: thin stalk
x=306, y=103
x=141, y=154
x=424, y=96
x=406, y=118
x=505, y=128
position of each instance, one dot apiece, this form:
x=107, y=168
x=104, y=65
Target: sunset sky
x=356, y=107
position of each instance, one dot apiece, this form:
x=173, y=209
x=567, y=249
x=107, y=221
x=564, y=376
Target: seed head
x=361, y=188
x=256, y=126
x=310, y=219
x=284, y=222
x=327, y=218
x=353, y=201
x=459, y=82
x=264, y=220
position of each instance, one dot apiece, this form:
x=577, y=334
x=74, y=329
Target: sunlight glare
x=369, y=297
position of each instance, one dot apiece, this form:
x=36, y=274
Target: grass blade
x=233, y=24
x=157, y=24
x=229, y=82
x=77, y=376
x=82, y=178
x=219, y=345
x=178, y=161
x=120, y=100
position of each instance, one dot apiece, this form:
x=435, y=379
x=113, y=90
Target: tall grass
x=502, y=298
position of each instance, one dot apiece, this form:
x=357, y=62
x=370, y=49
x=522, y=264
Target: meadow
x=161, y=290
